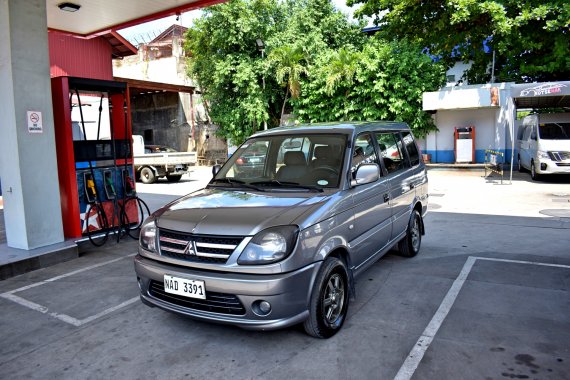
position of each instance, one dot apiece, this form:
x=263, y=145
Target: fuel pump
x=93, y=140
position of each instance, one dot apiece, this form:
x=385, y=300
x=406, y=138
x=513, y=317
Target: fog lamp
x=261, y=307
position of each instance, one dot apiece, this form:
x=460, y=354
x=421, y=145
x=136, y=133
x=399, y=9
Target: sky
x=147, y=31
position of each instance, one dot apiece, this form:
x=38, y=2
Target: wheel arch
x=343, y=255
x=419, y=208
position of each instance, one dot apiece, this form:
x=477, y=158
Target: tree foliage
x=228, y=67
x=383, y=81
x=318, y=66
x=531, y=38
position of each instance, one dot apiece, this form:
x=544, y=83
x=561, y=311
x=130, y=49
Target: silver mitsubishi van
x=285, y=226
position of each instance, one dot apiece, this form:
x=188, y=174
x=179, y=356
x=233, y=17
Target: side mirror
x=366, y=173
x=216, y=169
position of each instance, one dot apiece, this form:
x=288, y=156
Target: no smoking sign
x=35, y=122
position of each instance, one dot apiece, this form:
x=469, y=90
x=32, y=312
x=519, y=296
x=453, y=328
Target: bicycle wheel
x=133, y=214
x=97, y=225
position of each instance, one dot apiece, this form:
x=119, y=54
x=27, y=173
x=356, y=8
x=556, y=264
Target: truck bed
x=167, y=159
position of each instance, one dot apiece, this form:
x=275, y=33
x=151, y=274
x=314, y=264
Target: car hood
x=236, y=213
x=554, y=145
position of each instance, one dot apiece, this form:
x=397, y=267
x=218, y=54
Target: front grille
x=214, y=302
x=562, y=164
x=197, y=248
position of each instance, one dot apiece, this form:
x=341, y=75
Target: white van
x=543, y=144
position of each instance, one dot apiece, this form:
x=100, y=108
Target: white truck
x=156, y=161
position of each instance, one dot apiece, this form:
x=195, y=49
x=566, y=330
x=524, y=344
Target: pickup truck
x=153, y=162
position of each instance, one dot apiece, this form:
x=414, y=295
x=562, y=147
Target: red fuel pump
x=94, y=154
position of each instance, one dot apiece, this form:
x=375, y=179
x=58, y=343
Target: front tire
x=329, y=300
x=410, y=245
x=521, y=169
x=533, y=174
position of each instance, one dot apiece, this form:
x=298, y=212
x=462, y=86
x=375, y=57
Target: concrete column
x=28, y=164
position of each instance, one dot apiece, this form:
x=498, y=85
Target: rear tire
x=329, y=300
x=173, y=178
x=147, y=175
x=410, y=245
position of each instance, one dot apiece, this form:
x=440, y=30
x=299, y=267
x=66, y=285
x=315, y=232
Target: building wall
x=489, y=108
x=166, y=114
x=163, y=114
x=440, y=145
x=79, y=57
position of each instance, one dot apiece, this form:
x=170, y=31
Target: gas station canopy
x=542, y=95
x=90, y=18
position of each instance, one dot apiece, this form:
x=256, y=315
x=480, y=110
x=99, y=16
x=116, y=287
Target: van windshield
x=554, y=131
x=311, y=161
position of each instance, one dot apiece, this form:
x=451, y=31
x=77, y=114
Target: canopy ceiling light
x=69, y=7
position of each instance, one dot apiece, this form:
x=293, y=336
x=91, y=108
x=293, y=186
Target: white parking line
x=418, y=351
x=64, y=317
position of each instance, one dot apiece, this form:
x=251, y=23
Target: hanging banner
x=35, y=122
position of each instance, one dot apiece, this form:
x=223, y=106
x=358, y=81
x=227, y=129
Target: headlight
x=541, y=154
x=147, y=238
x=269, y=246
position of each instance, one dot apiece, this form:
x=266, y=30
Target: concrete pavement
x=486, y=298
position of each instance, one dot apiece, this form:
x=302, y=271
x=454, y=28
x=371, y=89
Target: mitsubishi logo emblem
x=190, y=249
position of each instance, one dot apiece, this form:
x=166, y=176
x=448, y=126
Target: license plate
x=184, y=287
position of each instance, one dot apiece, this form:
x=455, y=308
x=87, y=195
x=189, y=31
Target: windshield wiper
x=234, y=183
x=288, y=184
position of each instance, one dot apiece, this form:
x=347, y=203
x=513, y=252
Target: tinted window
x=554, y=131
x=411, y=148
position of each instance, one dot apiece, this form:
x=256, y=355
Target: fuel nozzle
x=90, y=189
x=130, y=184
x=109, y=185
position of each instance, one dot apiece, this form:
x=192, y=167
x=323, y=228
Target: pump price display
x=184, y=287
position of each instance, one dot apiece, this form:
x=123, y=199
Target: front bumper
x=288, y=294
x=546, y=166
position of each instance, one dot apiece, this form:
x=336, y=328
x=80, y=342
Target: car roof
x=351, y=128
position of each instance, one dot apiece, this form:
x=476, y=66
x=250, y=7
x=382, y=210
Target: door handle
x=386, y=197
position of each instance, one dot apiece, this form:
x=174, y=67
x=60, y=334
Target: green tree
x=530, y=37
x=228, y=67
x=386, y=82
x=288, y=62
x=342, y=67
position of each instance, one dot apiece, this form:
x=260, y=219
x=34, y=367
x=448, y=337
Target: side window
x=526, y=132
x=533, y=132
x=520, y=132
x=391, y=151
x=412, y=148
x=363, y=152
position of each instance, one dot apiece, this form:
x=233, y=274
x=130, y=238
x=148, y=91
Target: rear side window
x=412, y=148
